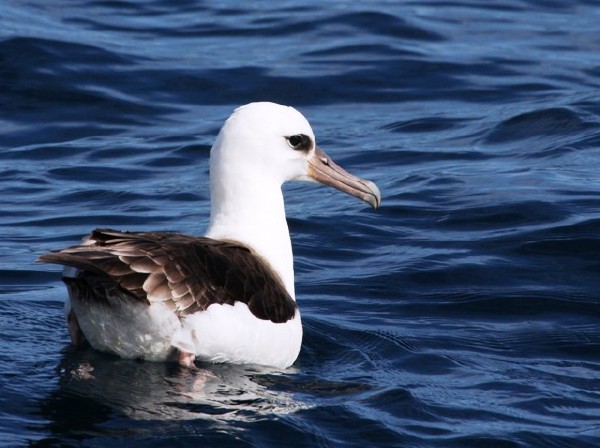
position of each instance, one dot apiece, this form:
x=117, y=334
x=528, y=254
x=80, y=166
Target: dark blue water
x=463, y=313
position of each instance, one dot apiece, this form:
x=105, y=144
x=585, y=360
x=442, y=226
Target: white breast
x=226, y=333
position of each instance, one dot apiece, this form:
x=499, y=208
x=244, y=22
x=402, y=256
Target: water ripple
x=463, y=312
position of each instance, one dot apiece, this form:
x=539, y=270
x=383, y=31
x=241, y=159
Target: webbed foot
x=186, y=359
x=77, y=337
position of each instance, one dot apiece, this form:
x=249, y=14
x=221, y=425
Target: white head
x=272, y=144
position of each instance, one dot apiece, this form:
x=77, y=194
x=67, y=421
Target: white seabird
x=225, y=297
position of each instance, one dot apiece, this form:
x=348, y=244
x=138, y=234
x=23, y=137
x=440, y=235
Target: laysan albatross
x=225, y=297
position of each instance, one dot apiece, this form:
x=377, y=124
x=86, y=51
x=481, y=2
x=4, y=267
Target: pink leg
x=186, y=359
x=77, y=337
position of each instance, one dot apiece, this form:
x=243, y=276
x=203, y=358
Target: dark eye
x=299, y=142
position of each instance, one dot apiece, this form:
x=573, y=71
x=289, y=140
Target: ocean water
x=463, y=313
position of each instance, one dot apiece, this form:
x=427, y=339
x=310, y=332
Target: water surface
x=462, y=313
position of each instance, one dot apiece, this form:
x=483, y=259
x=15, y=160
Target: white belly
x=222, y=333
x=225, y=333
x=129, y=329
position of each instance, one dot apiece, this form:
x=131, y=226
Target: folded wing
x=187, y=273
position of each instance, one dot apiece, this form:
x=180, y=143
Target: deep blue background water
x=463, y=313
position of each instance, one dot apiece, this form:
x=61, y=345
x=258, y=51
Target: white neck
x=248, y=208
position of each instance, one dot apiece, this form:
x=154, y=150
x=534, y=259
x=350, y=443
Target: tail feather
x=79, y=261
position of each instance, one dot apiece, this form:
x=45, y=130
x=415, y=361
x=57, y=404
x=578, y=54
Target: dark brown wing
x=186, y=272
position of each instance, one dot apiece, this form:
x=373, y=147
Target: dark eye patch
x=300, y=142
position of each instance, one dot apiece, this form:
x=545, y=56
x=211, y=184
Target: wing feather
x=188, y=273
